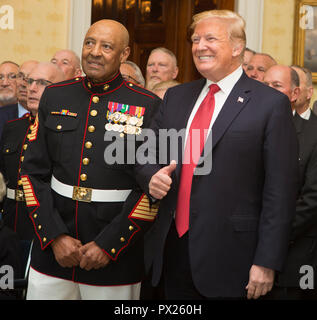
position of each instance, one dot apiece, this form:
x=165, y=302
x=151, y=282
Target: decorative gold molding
x=304, y=19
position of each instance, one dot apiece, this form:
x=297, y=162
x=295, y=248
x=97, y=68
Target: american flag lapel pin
x=240, y=100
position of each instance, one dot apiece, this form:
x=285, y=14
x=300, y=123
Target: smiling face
x=105, y=48
x=214, y=54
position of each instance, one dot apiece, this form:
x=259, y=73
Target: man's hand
x=261, y=281
x=93, y=257
x=66, y=251
x=161, y=181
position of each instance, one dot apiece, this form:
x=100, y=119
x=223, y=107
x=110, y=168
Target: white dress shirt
x=226, y=85
x=21, y=111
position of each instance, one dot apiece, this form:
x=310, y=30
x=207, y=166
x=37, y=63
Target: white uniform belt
x=88, y=194
x=16, y=195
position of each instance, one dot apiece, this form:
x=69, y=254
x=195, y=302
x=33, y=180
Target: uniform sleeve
x=36, y=173
x=136, y=217
x=280, y=153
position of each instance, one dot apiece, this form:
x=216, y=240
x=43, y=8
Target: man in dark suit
x=303, y=242
x=8, y=88
x=18, y=110
x=232, y=221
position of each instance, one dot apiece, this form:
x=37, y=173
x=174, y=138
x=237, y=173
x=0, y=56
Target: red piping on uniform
x=25, y=116
x=145, y=94
x=64, y=84
x=101, y=83
x=17, y=203
x=102, y=94
x=128, y=242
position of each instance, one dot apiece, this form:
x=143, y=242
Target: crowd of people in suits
x=243, y=230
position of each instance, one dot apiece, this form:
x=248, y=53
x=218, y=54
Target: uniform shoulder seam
x=69, y=82
x=144, y=93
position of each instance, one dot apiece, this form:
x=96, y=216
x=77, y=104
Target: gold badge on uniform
x=124, y=118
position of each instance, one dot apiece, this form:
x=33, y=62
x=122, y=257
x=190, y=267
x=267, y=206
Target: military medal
x=124, y=118
x=116, y=117
x=108, y=126
x=115, y=127
x=140, y=122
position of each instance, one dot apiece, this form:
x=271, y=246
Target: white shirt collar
x=306, y=114
x=21, y=111
x=226, y=84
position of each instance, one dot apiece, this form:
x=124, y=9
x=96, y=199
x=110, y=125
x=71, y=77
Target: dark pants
x=178, y=280
x=284, y=293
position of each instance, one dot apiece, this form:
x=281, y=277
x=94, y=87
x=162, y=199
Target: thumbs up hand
x=161, y=181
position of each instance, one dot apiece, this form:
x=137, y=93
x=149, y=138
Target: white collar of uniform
x=226, y=84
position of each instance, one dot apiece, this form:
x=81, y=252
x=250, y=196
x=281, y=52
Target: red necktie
x=196, y=138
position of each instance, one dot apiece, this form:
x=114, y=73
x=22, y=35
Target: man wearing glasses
x=13, y=144
x=19, y=109
x=8, y=87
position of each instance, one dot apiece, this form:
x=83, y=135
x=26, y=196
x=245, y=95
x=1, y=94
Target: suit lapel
x=298, y=122
x=236, y=101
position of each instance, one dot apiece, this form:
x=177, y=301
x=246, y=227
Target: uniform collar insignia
x=103, y=87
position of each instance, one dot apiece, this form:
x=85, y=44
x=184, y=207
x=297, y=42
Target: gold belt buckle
x=82, y=194
x=19, y=195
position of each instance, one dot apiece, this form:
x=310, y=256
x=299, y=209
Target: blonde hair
x=236, y=27
x=3, y=187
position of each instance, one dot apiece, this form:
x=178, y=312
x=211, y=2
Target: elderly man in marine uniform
x=13, y=145
x=86, y=211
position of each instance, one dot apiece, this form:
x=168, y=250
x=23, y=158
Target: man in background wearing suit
x=19, y=109
x=222, y=234
x=303, y=242
x=8, y=88
x=259, y=63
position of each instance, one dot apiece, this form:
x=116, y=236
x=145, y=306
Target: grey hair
x=138, y=72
